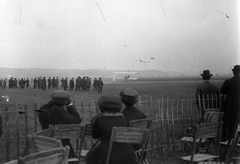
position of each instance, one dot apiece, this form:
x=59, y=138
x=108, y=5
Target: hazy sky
x=182, y=35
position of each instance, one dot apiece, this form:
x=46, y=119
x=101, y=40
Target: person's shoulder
x=230, y=80
x=201, y=85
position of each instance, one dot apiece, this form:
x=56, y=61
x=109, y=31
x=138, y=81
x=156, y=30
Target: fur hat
x=236, y=69
x=206, y=73
x=110, y=104
x=60, y=97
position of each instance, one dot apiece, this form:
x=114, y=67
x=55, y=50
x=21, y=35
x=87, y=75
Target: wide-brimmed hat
x=206, y=73
x=60, y=97
x=236, y=69
x=110, y=104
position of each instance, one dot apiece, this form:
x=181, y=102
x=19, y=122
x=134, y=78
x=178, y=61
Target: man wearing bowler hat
x=231, y=88
x=207, y=91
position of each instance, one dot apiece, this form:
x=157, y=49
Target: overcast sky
x=178, y=35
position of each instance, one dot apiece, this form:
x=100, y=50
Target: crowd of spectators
x=79, y=84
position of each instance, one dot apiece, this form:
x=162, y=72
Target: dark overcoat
x=204, y=90
x=51, y=114
x=231, y=88
x=133, y=113
x=121, y=153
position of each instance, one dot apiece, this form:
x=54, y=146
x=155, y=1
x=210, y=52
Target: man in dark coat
x=56, y=83
x=65, y=83
x=15, y=82
x=77, y=84
x=22, y=83
x=100, y=85
x=53, y=82
x=95, y=84
x=44, y=84
x=71, y=82
x=84, y=84
x=231, y=88
x=35, y=82
x=88, y=80
x=27, y=83
x=59, y=110
x=49, y=83
x=205, y=91
x=10, y=83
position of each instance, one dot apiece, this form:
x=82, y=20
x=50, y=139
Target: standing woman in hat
x=231, y=88
x=59, y=110
x=207, y=90
x=110, y=116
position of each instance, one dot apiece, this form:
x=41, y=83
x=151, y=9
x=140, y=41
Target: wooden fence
x=171, y=115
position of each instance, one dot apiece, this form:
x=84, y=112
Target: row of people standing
x=81, y=84
x=3, y=83
x=14, y=83
x=231, y=105
x=84, y=84
x=43, y=83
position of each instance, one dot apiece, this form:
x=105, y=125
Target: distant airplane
x=227, y=16
x=152, y=58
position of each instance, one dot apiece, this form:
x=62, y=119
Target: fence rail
x=171, y=115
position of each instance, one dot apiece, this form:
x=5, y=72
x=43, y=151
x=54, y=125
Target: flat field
x=155, y=89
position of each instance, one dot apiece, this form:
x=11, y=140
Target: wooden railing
x=170, y=114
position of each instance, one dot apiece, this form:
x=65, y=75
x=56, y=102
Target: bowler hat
x=60, y=97
x=206, y=73
x=236, y=69
x=110, y=104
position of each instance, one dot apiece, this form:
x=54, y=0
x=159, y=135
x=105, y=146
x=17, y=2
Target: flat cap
x=110, y=104
x=60, y=97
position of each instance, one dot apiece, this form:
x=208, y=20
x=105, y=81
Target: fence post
x=162, y=123
x=35, y=117
x=26, y=150
x=151, y=106
x=17, y=129
x=83, y=112
x=145, y=104
x=140, y=101
x=7, y=132
x=158, y=124
x=173, y=136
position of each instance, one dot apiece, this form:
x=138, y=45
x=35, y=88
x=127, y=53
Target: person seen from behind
x=129, y=98
x=102, y=124
x=231, y=109
x=208, y=94
x=59, y=110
